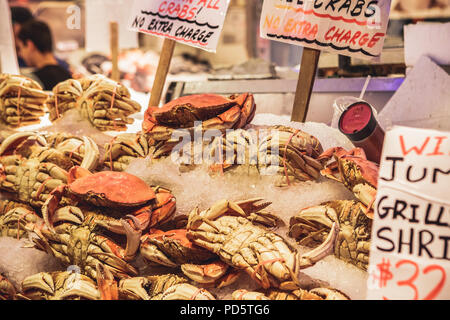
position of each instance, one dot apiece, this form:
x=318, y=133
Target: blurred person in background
x=20, y=16
x=36, y=48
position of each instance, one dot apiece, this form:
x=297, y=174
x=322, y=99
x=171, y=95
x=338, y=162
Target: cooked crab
x=294, y=154
x=64, y=97
x=234, y=233
x=297, y=294
x=358, y=174
x=59, y=286
x=125, y=148
x=215, y=112
x=123, y=194
x=174, y=250
x=21, y=100
x=28, y=180
x=115, y=201
x=64, y=150
x=311, y=226
x=105, y=103
x=17, y=221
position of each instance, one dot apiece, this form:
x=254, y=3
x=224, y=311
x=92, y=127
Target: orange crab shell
x=238, y=109
x=369, y=170
x=114, y=188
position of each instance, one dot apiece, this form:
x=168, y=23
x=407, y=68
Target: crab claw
x=16, y=140
x=133, y=232
x=185, y=291
x=326, y=248
x=205, y=274
x=330, y=294
x=250, y=205
x=106, y=283
x=50, y=207
x=77, y=172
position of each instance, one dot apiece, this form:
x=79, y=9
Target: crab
x=289, y=153
x=237, y=147
x=237, y=235
x=173, y=249
x=123, y=149
x=30, y=181
x=294, y=152
x=92, y=203
x=122, y=193
x=64, y=97
x=147, y=288
x=61, y=149
x=105, y=103
x=358, y=174
x=215, y=112
x=157, y=287
x=58, y=286
x=21, y=100
x=161, y=287
x=17, y=222
x=83, y=246
x=311, y=225
x=297, y=294
x=7, y=290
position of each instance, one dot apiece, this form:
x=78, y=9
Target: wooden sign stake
x=306, y=77
x=114, y=42
x=162, y=71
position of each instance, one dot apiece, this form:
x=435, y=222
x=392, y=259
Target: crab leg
x=326, y=248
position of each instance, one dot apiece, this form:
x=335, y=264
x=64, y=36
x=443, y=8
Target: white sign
x=348, y=27
x=99, y=14
x=196, y=23
x=8, y=56
x=410, y=247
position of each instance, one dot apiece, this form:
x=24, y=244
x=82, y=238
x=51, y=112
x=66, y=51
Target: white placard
x=8, y=56
x=99, y=14
x=196, y=23
x=354, y=28
x=410, y=246
x=430, y=39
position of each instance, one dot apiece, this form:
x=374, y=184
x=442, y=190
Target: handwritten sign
x=8, y=57
x=197, y=23
x=348, y=27
x=410, y=248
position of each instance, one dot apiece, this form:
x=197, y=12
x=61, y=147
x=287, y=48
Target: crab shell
x=109, y=188
x=358, y=174
x=216, y=112
x=59, y=286
x=311, y=226
x=172, y=248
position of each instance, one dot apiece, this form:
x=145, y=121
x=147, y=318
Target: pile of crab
x=102, y=101
x=109, y=223
x=213, y=130
x=21, y=100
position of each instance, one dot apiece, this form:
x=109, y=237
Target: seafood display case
x=213, y=195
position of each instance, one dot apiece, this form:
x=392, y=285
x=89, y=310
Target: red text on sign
x=175, y=9
x=411, y=281
x=419, y=150
x=352, y=38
